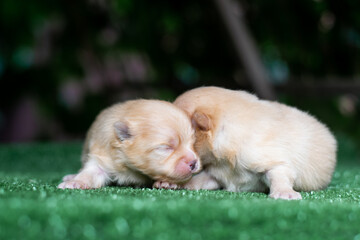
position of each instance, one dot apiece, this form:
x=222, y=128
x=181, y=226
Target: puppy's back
x=100, y=133
x=269, y=129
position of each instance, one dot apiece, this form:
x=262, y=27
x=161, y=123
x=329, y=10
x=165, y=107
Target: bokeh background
x=62, y=61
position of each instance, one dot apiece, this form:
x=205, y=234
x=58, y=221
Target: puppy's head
x=157, y=139
x=208, y=108
x=204, y=131
x=202, y=107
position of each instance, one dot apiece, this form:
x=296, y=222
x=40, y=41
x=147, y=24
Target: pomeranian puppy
x=247, y=144
x=135, y=143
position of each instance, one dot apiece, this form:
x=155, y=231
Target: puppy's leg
x=202, y=181
x=280, y=180
x=91, y=176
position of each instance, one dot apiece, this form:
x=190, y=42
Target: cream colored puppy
x=135, y=143
x=247, y=144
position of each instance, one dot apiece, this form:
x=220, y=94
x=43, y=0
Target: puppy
x=135, y=143
x=247, y=144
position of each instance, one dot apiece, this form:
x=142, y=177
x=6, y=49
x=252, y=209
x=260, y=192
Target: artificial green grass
x=31, y=207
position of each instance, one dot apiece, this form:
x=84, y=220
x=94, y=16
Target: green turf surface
x=31, y=207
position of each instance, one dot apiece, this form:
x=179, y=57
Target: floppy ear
x=201, y=121
x=122, y=131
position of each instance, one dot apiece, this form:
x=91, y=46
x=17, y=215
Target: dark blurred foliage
x=62, y=61
x=312, y=37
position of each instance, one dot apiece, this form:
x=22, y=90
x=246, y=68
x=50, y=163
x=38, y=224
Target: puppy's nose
x=193, y=165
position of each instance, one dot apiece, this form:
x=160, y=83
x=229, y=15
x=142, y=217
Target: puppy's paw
x=68, y=177
x=73, y=185
x=166, y=185
x=286, y=195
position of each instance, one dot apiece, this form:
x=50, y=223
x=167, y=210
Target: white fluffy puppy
x=247, y=144
x=135, y=143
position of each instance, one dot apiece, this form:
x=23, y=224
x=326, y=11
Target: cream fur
x=135, y=143
x=254, y=144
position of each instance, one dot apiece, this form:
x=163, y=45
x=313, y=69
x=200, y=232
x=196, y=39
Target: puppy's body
x=247, y=144
x=135, y=143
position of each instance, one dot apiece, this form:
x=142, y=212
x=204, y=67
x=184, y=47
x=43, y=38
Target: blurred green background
x=63, y=61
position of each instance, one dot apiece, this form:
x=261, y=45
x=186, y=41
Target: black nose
x=193, y=165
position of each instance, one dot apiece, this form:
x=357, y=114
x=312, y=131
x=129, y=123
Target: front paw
x=166, y=185
x=68, y=177
x=286, y=195
x=72, y=184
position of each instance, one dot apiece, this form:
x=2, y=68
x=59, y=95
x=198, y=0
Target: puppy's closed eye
x=164, y=148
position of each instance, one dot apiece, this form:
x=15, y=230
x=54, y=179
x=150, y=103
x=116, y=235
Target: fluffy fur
x=135, y=143
x=247, y=144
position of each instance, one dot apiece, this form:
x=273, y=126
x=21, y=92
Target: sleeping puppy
x=135, y=143
x=247, y=144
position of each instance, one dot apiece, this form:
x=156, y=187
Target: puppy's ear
x=201, y=121
x=122, y=130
